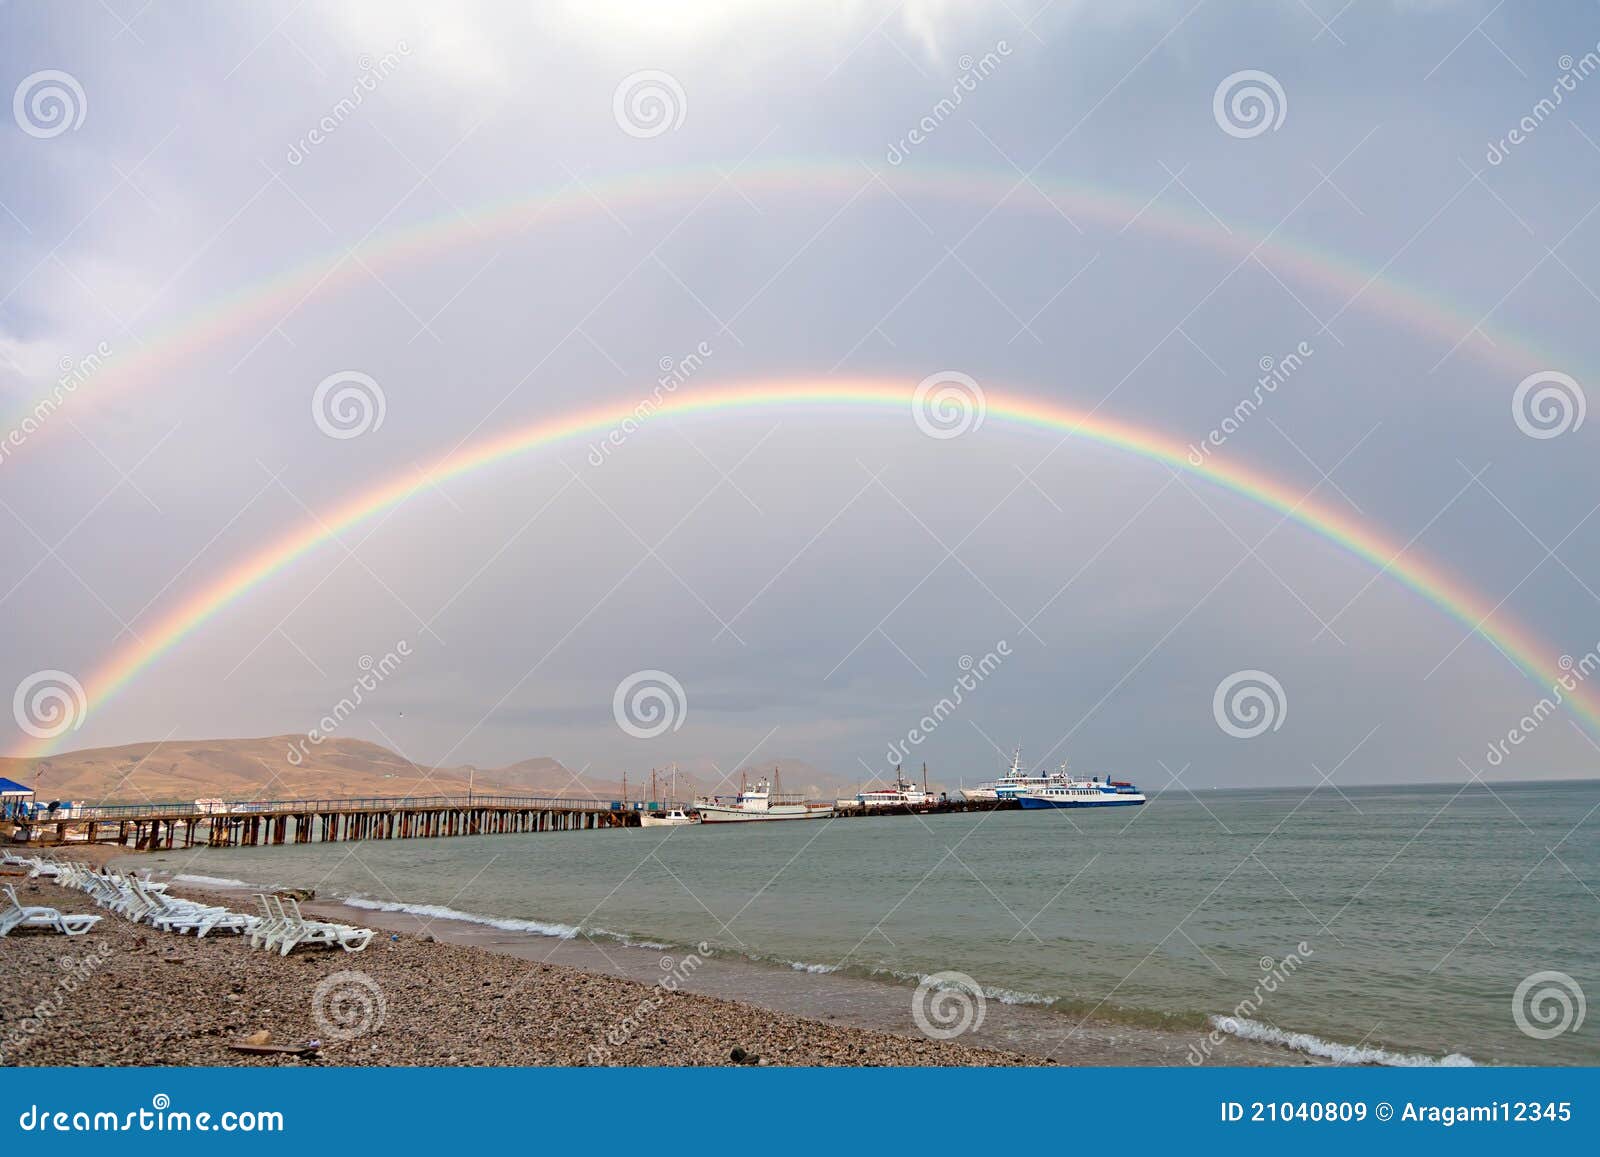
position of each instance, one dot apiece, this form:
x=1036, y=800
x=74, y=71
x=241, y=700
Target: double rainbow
x=884, y=395
x=254, y=309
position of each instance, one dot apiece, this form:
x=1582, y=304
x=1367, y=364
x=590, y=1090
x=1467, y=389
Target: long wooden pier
x=269, y=822
x=149, y=826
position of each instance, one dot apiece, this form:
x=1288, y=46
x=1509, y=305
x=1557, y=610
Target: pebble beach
x=126, y=994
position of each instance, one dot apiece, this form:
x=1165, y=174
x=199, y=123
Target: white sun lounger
x=20, y=915
x=173, y=914
x=286, y=929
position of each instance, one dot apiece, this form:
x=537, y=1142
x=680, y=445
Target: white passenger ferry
x=1012, y=783
x=1095, y=792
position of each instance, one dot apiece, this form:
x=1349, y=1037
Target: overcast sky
x=207, y=209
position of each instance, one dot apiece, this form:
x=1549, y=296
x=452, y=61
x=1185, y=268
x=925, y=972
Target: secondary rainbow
x=268, y=302
x=1452, y=596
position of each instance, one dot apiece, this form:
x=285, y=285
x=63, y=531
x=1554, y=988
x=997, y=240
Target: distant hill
x=240, y=769
x=261, y=769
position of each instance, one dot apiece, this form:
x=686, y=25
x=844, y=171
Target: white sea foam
x=440, y=912
x=802, y=966
x=1342, y=1054
x=214, y=881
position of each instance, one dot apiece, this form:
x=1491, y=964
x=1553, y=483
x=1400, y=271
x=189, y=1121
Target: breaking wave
x=440, y=912
x=1304, y=1042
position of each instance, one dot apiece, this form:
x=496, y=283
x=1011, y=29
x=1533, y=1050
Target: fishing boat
x=1095, y=792
x=764, y=801
x=902, y=794
x=674, y=815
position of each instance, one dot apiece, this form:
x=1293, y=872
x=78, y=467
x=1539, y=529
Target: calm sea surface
x=1421, y=909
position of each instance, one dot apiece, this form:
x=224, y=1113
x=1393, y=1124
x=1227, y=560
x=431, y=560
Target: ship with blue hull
x=1077, y=793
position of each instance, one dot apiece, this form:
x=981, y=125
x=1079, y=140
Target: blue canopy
x=12, y=787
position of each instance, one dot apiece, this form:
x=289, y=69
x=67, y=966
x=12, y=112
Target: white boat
x=1074, y=793
x=1012, y=783
x=761, y=802
x=675, y=817
x=902, y=794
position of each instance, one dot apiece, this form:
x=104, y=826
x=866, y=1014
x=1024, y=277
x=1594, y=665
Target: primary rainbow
x=258, y=306
x=1449, y=595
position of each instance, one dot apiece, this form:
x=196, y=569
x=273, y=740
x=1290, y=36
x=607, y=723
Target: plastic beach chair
x=21, y=915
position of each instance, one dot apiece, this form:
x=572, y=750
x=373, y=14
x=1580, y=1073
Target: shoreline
x=431, y=991
x=875, y=1003
x=1028, y=1029
x=138, y=996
